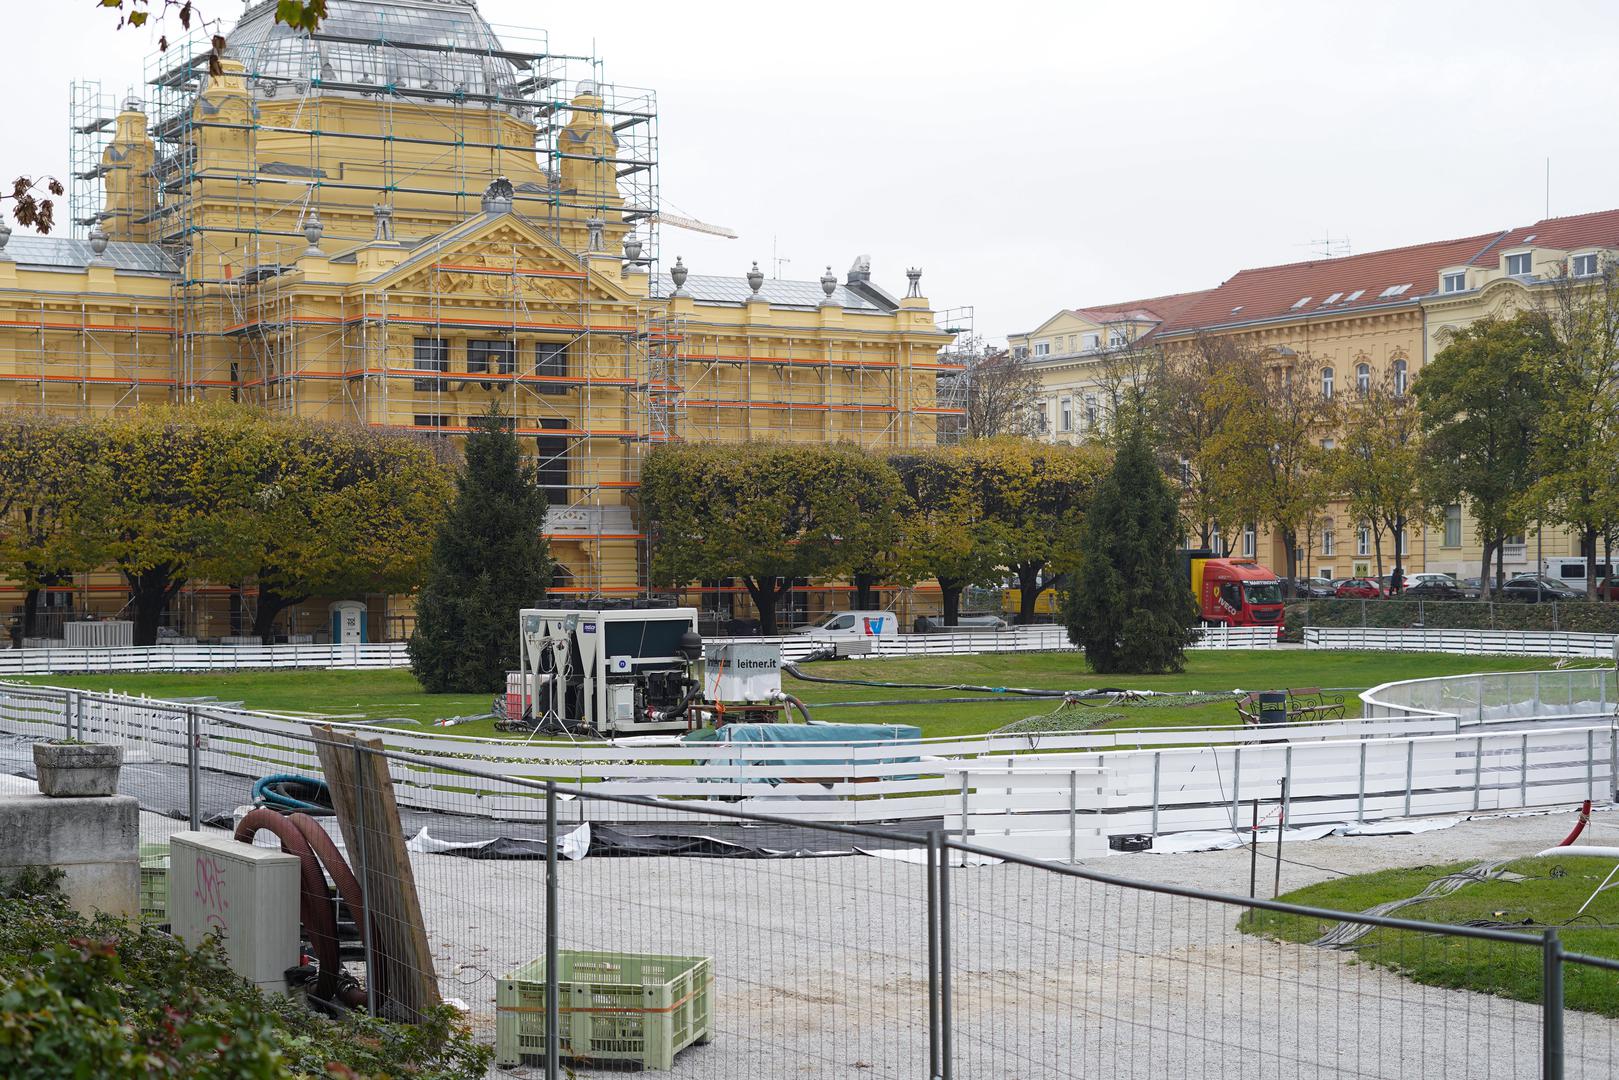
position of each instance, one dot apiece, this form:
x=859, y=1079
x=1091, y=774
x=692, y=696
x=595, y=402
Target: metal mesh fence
x=719, y=943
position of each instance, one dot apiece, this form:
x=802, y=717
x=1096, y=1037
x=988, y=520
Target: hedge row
x=1582, y=616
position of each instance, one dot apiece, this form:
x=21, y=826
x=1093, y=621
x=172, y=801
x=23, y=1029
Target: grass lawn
x=1551, y=891
x=395, y=694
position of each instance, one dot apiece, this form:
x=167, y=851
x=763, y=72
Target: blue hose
x=266, y=795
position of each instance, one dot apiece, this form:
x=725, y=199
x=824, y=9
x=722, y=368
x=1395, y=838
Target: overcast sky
x=1037, y=156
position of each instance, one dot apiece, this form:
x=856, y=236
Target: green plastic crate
x=628, y=1007
x=154, y=883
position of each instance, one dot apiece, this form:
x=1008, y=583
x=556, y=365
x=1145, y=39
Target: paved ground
x=821, y=966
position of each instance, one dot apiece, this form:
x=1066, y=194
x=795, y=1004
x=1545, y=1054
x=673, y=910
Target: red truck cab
x=1236, y=592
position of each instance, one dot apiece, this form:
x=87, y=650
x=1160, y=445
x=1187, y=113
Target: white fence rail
x=1062, y=807
x=1473, y=642
x=50, y=661
x=201, y=658
x=1151, y=780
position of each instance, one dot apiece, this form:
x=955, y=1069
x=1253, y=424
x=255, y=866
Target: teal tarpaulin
x=860, y=735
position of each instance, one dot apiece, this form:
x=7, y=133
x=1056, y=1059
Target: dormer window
x=1042, y=348
x=1093, y=342
x=1115, y=339
x=1584, y=265
x=1456, y=282
x=1518, y=265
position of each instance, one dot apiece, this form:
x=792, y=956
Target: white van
x=1571, y=571
x=852, y=624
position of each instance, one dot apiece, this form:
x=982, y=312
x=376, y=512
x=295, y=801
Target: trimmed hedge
x=1582, y=617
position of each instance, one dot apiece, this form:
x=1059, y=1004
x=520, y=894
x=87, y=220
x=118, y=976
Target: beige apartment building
x=1342, y=324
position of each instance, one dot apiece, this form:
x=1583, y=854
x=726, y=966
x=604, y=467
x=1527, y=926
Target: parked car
x=934, y=624
x=1608, y=588
x=1413, y=580
x=1314, y=588
x=1360, y=589
x=1436, y=587
x=1534, y=589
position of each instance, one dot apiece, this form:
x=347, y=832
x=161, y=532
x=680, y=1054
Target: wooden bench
x=1248, y=708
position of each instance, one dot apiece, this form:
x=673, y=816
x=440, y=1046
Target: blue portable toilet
x=348, y=622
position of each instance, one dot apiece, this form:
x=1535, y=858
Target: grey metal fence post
x=553, y=1010
x=1590, y=763
x=933, y=956
x=69, y=710
x=1410, y=764
x=1236, y=786
x=193, y=774
x=79, y=713
x=1551, y=1007
x=362, y=842
x=947, y=1066
x=1360, y=787
x=1523, y=771
x=1478, y=768
x=1157, y=764
x=1073, y=816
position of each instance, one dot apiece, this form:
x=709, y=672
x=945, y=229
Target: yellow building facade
x=402, y=219
x=1339, y=324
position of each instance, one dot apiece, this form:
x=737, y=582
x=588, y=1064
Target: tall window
x=1249, y=540
x=1363, y=540
x=1518, y=265
x=1090, y=410
x=1584, y=265
x=432, y=354
x=484, y=357
x=1065, y=415
x=1326, y=382
x=551, y=362
x=552, y=466
x=1453, y=525
x=1399, y=378
x=1329, y=540
x=1363, y=379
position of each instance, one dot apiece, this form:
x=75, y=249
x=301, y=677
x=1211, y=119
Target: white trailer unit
x=613, y=671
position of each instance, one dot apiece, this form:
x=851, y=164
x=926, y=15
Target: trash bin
x=1272, y=707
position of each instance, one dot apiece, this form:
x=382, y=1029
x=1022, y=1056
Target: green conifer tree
x=1131, y=607
x=489, y=560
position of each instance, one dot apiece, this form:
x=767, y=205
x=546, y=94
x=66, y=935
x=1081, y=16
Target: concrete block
x=69, y=770
x=245, y=895
x=95, y=841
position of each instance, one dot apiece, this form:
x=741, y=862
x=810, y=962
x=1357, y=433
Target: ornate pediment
x=504, y=260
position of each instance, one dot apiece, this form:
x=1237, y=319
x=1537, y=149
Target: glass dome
x=374, y=47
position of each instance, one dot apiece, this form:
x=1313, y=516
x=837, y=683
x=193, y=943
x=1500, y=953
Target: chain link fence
x=581, y=932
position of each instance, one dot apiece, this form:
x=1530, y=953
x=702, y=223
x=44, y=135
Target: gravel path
x=821, y=966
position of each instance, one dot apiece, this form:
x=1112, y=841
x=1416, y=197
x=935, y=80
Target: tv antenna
x=1331, y=247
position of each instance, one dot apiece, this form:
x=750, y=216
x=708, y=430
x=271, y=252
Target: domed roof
x=369, y=43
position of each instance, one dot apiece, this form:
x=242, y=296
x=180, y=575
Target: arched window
x=1363, y=379
x=1326, y=382
x=1329, y=542
x=1399, y=378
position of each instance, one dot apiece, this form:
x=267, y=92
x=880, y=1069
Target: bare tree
x=1003, y=395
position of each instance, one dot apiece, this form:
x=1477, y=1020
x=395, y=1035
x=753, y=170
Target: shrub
x=101, y=998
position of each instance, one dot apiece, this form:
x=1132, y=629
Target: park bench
x=1312, y=703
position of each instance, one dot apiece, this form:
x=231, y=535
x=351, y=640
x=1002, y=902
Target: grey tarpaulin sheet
x=161, y=789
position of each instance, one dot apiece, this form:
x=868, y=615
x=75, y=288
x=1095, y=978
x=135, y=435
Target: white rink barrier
x=52, y=661
x=1148, y=780
x=390, y=654
x=1472, y=642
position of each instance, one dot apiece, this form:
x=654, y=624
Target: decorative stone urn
x=77, y=770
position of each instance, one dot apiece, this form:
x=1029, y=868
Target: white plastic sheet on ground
x=573, y=845
x=920, y=856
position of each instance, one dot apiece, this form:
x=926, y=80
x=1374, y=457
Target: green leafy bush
x=104, y=999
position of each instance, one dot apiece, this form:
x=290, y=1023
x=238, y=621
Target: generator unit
x=610, y=672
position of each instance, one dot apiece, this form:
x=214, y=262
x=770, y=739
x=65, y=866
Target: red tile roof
x=1272, y=292
x=1600, y=229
